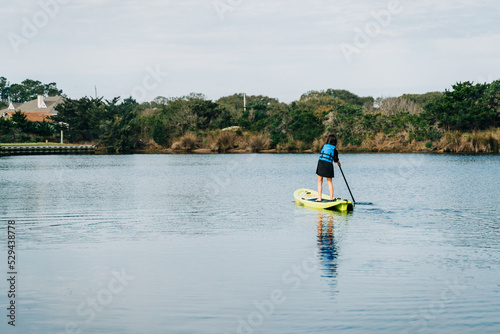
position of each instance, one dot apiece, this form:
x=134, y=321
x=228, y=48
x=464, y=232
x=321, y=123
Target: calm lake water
x=215, y=244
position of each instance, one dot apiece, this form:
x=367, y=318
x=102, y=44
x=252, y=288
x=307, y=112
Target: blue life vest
x=327, y=152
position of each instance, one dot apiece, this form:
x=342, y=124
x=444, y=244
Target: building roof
x=32, y=111
x=32, y=116
x=16, y=105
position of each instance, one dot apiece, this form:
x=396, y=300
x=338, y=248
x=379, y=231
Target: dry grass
x=485, y=141
x=474, y=142
x=186, y=142
x=289, y=145
x=493, y=141
x=381, y=142
x=317, y=145
x=258, y=142
x=221, y=141
x=292, y=145
x=301, y=145
x=451, y=141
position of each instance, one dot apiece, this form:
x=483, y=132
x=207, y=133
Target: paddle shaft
x=353, y=201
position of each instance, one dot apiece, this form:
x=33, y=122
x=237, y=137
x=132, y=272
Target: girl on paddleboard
x=327, y=157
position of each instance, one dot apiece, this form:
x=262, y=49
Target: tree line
x=26, y=91
x=18, y=128
x=125, y=125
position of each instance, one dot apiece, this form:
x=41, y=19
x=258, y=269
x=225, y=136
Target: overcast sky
x=278, y=48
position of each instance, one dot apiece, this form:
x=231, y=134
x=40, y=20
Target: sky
x=276, y=48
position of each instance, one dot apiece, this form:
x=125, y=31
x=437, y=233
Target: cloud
x=267, y=46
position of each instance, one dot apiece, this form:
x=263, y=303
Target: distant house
x=36, y=110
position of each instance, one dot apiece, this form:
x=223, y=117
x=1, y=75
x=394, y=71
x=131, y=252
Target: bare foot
x=318, y=200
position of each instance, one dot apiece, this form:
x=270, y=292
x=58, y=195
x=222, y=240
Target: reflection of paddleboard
x=307, y=198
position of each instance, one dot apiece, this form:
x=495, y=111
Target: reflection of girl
x=327, y=247
x=328, y=156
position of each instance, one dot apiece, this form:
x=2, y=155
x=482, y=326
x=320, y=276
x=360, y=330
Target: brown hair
x=332, y=140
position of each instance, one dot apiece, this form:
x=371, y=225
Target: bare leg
x=330, y=187
x=320, y=188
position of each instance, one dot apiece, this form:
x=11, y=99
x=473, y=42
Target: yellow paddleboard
x=307, y=198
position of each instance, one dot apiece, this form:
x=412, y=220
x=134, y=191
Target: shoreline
x=275, y=151
x=413, y=148
x=476, y=142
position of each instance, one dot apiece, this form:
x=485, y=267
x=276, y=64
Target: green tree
x=27, y=90
x=21, y=121
x=83, y=116
x=51, y=89
x=345, y=121
x=233, y=103
x=466, y=107
x=17, y=93
x=423, y=99
x=319, y=104
x=305, y=126
x=169, y=118
x=340, y=94
x=32, y=88
x=492, y=96
x=206, y=112
x=43, y=129
x=178, y=116
x=162, y=131
x=7, y=133
x=238, y=115
x=4, y=89
x=121, y=132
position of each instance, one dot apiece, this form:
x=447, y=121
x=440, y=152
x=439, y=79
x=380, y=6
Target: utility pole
x=244, y=102
x=63, y=125
x=95, y=88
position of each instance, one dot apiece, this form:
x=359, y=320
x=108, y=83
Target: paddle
x=353, y=201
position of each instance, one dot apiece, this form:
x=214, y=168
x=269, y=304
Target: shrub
x=258, y=142
x=288, y=145
x=186, y=142
x=493, y=141
x=23, y=138
x=301, y=145
x=222, y=141
x=317, y=145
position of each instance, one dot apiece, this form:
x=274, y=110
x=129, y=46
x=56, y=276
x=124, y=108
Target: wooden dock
x=46, y=149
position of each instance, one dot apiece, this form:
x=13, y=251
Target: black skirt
x=324, y=169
